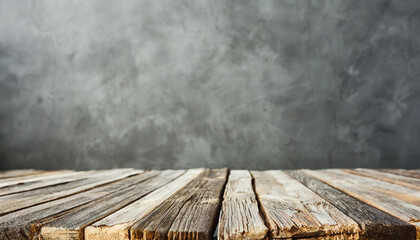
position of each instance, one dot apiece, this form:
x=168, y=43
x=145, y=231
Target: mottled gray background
x=189, y=83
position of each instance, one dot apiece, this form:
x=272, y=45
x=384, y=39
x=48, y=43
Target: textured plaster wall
x=190, y=83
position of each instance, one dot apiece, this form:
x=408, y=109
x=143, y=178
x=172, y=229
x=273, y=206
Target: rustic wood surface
x=13, y=202
x=374, y=224
x=206, y=204
x=41, y=182
x=402, y=172
x=387, y=177
x=294, y=211
x=192, y=211
x=240, y=217
x=19, y=173
x=37, y=176
x=376, y=193
x=118, y=224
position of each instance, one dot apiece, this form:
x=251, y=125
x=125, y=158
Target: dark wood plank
x=240, y=217
x=25, y=223
x=375, y=224
x=71, y=225
x=294, y=211
x=191, y=213
x=14, y=202
x=117, y=225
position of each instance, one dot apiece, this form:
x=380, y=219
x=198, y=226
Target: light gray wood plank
x=294, y=211
x=240, y=217
x=402, y=172
x=393, y=199
x=374, y=223
x=44, y=182
x=14, y=202
x=18, y=173
x=387, y=177
x=33, y=178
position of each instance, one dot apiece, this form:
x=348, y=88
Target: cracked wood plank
x=118, y=224
x=240, y=217
x=294, y=211
x=374, y=223
x=71, y=225
x=191, y=213
x=393, y=199
x=30, y=219
x=199, y=216
x=14, y=202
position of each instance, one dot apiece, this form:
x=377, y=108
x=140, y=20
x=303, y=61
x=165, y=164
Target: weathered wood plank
x=93, y=177
x=117, y=225
x=45, y=182
x=385, y=196
x=240, y=217
x=386, y=177
x=18, y=173
x=33, y=178
x=374, y=223
x=25, y=223
x=397, y=191
x=402, y=172
x=193, y=210
x=71, y=225
x=65, y=205
x=14, y=202
x=294, y=211
x=198, y=218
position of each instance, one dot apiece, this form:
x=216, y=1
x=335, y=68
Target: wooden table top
x=210, y=203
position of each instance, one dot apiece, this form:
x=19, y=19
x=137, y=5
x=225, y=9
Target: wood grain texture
x=71, y=224
x=117, y=225
x=14, y=202
x=31, y=218
x=18, y=173
x=191, y=213
x=33, y=178
x=198, y=217
x=374, y=223
x=402, y=172
x=397, y=191
x=294, y=211
x=376, y=193
x=387, y=177
x=45, y=182
x=179, y=204
x=240, y=217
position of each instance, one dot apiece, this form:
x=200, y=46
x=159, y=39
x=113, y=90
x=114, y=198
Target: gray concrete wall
x=190, y=83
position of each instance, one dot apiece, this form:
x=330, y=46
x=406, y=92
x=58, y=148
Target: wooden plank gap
x=240, y=217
